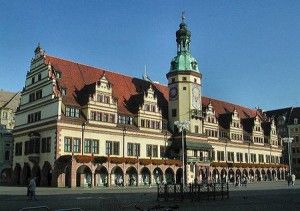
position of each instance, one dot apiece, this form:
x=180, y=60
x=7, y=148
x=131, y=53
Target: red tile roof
x=75, y=77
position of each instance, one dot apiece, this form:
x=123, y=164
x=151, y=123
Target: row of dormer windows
x=72, y=112
x=102, y=117
x=258, y=140
x=126, y=120
x=236, y=136
x=150, y=124
x=211, y=133
x=35, y=95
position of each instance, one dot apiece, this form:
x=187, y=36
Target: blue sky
x=248, y=51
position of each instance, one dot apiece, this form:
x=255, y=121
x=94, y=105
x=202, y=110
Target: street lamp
x=124, y=134
x=270, y=152
x=182, y=125
x=82, y=133
x=249, y=152
x=289, y=143
x=226, y=160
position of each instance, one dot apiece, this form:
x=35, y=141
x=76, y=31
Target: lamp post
x=226, y=160
x=124, y=134
x=289, y=141
x=165, y=137
x=249, y=152
x=82, y=134
x=270, y=152
x=182, y=125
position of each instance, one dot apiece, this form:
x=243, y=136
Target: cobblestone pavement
x=257, y=196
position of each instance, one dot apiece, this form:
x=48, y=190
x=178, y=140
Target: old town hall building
x=83, y=126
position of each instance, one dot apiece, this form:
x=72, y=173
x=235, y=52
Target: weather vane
x=182, y=15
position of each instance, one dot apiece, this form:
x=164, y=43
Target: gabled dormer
x=236, y=128
x=210, y=123
x=149, y=115
x=257, y=131
x=102, y=106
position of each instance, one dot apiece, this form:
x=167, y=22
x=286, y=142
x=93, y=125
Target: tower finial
x=182, y=15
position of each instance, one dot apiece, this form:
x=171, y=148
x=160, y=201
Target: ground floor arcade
x=68, y=172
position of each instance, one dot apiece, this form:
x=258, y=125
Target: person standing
x=293, y=179
x=32, y=187
x=289, y=179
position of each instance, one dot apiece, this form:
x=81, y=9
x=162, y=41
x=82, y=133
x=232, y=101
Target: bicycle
x=157, y=207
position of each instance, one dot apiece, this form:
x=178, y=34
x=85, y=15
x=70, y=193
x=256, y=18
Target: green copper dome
x=184, y=60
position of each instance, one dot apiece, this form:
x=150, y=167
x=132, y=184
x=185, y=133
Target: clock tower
x=184, y=83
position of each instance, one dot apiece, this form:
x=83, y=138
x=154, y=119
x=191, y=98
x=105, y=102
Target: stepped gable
x=79, y=79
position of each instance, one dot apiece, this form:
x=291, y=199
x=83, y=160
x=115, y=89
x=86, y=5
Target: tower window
x=184, y=88
x=195, y=80
x=184, y=78
x=174, y=112
x=173, y=80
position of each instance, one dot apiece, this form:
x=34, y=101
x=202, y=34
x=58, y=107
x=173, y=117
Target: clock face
x=196, y=97
x=173, y=92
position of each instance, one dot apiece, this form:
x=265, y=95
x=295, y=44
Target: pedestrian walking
x=31, y=189
x=289, y=179
x=293, y=179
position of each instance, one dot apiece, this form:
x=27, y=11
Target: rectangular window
x=87, y=146
x=72, y=112
x=230, y=156
x=112, y=118
x=162, y=151
x=31, y=97
x=108, y=148
x=112, y=148
x=136, y=149
x=68, y=144
x=7, y=155
x=77, y=112
x=26, y=148
x=99, y=117
x=95, y=146
x=174, y=112
x=93, y=115
x=116, y=148
x=142, y=123
x=155, y=151
x=18, y=148
x=105, y=117
x=220, y=155
x=76, y=145
x=129, y=149
x=46, y=144
x=39, y=94
x=196, y=129
x=149, y=150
